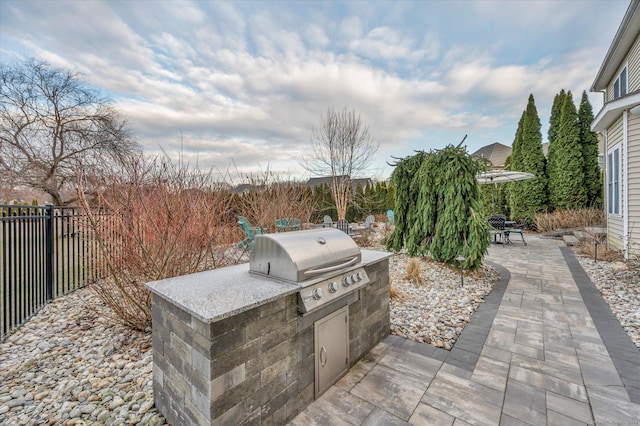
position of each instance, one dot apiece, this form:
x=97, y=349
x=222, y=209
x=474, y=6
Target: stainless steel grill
x=325, y=263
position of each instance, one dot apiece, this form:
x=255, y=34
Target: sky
x=239, y=86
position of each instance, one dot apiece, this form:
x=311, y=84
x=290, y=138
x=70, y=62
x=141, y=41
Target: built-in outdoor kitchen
x=258, y=342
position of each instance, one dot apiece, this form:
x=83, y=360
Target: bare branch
x=343, y=149
x=51, y=121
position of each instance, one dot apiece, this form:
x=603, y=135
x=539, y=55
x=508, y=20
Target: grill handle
x=331, y=268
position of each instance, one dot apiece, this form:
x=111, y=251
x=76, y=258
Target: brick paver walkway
x=544, y=348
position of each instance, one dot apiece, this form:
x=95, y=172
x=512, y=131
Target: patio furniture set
x=502, y=229
x=291, y=224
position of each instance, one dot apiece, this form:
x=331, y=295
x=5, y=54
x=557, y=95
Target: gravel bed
x=436, y=309
x=69, y=366
x=619, y=285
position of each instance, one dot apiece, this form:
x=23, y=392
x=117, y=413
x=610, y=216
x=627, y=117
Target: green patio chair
x=288, y=224
x=250, y=233
x=519, y=229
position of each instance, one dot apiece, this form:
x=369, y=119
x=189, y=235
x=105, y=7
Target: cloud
x=315, y=36
x=242, y=83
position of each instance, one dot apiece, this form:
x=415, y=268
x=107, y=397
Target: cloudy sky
x=240, y=85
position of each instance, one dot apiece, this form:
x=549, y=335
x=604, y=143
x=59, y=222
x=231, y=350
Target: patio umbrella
x=501, y=176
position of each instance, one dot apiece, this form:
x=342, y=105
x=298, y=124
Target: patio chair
x=368, y=223
x=250, y=233
x=498, y=224
x=390, y=217
x=287, y=224
x=327, y=222
x=344, y=226
x=519, y=229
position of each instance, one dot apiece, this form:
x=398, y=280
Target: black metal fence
x=45, y=252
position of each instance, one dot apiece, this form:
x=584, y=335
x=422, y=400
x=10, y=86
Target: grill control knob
x=360, y=276
x=347, y=281
x=317, y=293
x=333, y=287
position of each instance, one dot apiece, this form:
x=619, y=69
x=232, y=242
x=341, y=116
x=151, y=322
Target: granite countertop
x=221, y=293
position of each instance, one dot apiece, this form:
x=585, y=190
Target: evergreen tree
x=592, y=175
x=554, y=119
x=324, y=200
x=514, y=158
x=438, y=207
x=552, y=134
x=390, y=200
x=512, y=163
x=528, y=197
x=405, y=196
x=566, y=178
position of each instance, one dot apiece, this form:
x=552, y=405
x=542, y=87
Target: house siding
x=615, y=222
x=633, y=179
x=632, y=60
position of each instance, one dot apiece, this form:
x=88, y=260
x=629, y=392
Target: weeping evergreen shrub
x=438, y=207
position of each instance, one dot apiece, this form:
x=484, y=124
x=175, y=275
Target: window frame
x=621, y=83
x=614, y=193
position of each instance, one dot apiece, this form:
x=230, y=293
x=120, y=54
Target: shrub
x=269, y=197
x=438, y=205
x=161, y=221
x=587, y=248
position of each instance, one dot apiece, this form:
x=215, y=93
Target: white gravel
x=619, y=285
x=67, y=365
x=436, y=310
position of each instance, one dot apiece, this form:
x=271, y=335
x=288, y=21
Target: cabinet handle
x=323, y=351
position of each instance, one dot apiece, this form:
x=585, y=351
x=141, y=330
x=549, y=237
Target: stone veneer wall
x=256, y=367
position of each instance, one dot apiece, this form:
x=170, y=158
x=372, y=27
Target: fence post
x=49, y=241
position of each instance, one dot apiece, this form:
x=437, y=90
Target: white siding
x=614, y=222
x=633, y=70
x=633, y=180
x=632, y=60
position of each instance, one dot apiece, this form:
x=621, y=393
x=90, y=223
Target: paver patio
x=544, y=348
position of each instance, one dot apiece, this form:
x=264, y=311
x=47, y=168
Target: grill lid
x=301, y=255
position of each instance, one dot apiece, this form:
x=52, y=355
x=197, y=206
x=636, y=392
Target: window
x=613, y=181
x=620, y=85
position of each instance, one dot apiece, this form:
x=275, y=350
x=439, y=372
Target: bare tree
x=341, y=148
x=51, y=125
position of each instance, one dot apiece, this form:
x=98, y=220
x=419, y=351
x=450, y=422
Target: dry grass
x=568, y=219
x=397, y=294
x=413, y=271
x=588, y=249
x=366, y=239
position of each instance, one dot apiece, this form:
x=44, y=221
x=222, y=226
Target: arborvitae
x=391, y=194
x=552, y=135
x=592, y=176
x=566, y=179
x=324, y=200
x=511, y=163
x=514, y=158
x=530, y=196
x=438, y=207
x=554, y=119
